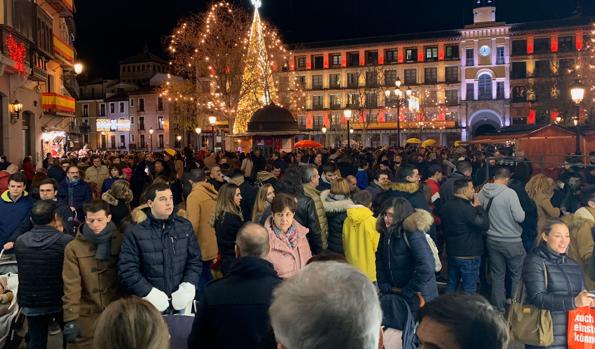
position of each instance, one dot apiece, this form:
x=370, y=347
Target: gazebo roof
x=272, y=119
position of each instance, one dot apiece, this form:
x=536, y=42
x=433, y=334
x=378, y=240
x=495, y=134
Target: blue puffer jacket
x=12, y=214
x=564, y=282
x=407, y=267
x=158, y=253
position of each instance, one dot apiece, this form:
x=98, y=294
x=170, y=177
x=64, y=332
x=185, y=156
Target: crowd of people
x=317, y=248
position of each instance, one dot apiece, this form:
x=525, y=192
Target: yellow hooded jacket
x=360, y=240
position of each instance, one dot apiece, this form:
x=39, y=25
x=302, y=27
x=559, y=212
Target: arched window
x=485, y=86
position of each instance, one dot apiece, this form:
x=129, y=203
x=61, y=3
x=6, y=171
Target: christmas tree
x=257, y=88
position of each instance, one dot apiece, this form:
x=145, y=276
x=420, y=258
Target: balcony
x=64, y=51
x=63, y=7
x=57, y=104
x=70, y=83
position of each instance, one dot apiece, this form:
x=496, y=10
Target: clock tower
x=484, y=11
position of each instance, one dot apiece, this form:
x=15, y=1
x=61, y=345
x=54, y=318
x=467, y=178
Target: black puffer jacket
x=564, y=282
x=40, y=255
x=226, y=230
x=158, y=253
x=464, y=227
x=335, y=207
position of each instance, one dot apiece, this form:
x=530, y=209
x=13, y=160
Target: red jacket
x=4, y=176
x=434, y=188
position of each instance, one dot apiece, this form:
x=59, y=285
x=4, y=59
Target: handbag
x=529, y=324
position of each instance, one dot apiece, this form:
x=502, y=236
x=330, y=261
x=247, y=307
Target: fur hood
x=406, y=187
x=421, y=220
x=109, y=197
x=139, y=214
x=574, y=221
x=333, y=206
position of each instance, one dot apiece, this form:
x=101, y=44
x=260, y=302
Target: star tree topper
x=257, y=3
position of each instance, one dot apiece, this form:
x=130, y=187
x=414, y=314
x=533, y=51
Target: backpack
x=433, y=248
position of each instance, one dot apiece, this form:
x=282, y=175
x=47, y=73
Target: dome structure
x=273, y=119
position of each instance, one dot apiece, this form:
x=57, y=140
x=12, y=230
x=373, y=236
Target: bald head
x=12, y=169
x=252, y=241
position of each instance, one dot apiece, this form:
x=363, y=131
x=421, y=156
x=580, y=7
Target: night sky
x=110, y=30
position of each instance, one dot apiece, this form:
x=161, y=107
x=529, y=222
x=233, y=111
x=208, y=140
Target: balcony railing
x=64, y=7
x=57, y=104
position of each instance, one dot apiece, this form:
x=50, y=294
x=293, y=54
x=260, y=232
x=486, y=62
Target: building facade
x=37, y=80
x=454, y=84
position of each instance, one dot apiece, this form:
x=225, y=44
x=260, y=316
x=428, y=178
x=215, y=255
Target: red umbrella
x=308, y=144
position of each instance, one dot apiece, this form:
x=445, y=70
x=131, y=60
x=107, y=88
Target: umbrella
x=308, y=144
x=428, y=142
x=413, y=141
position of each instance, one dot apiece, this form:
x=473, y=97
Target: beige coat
x=545, y=210
x=581, y=244
x=90, y=285
x=314, y=194
x=97, y=175
x=200, y=207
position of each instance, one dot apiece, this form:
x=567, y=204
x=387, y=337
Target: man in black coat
x=40, y=255
x=234, y=310
x=160, y=258
x=247, y=190
x=464, y=223
x=464, y=169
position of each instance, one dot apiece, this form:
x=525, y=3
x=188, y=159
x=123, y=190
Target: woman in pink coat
x=289, y=250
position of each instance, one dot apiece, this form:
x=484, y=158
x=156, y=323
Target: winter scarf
x=103, y=240
x=290, y=238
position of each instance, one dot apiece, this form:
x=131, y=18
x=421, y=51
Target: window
x=316, y=102
x=431, y=75
x=390, y=56
x=141, y=123
x=470, y=57
x=452, y=74
x=317, y=82
x=300, y=62
x=161, y=141
x=112, y=108
x=431, y=98
x=542, y=68
x=160, y=122
x=519, y=94
x=159, y=103
x=519, y=47
x=141, y=104
x=302, y=122
x=353, y=59
x=371, y=79
x=353, y=100
x=371, y=100
x=566, y=44
x=452, y=52
x=122, y=141
x=410, y=55
x=113, y=142
x=102, y=109
x=519, y=70
x=334, y=80
x=131, y=138
x=500, y=90
x=566, y=66
x=371, y=57
x=335, y=102
x=410, y=77
x=542, y=45
x=470, y=92
x=121, y=107
x=85, y=110
x=499, y=55
x=132, y=120
x=485, y=87
x=335, y=60
x=352, y=80
x=301, y=80
x=132, y=102
x=318, y=62
x=318, y=122
x=142, y=141
x=452, y=97
x=431, y=54
x=390, y=77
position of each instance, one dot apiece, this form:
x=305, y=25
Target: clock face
x=484, y=50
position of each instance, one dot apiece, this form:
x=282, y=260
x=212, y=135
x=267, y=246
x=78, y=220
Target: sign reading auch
x=581, y=328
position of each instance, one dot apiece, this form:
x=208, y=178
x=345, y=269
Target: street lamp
x=179, y=139
x=198, y=131
x=323, y=129
x=399, y=100
x=16, y=107
x=577, y=93
x=151, y=138
x=212, y=121
x=347, y=114
x=78, y=68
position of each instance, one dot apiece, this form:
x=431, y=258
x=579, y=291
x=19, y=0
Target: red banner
x=381, y=116
x=531, y=118
x=554, y=115
x=309, y=121
x=326, y=120
x=581, y=328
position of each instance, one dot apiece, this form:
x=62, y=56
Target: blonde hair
x=226, y=203
x=121, y=190
x=131, y=323
x=261, y=202
x=539, y=184
x=340, y=186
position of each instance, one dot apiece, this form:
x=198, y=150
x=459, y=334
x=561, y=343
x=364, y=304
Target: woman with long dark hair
x=228, y=220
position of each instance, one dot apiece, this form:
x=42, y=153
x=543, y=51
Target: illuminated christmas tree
x=258, y=88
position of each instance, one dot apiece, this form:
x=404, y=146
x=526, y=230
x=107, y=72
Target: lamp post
x=198, y=131
x=323, y=129
x=151, y=138
x=179, y=141
x=577, y=92
x=399, y=99
x=347, y=114
x=16, y=107
x=212, y=121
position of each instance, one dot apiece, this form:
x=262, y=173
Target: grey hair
x=253, y=240
x=308, y=173
x=306, y=315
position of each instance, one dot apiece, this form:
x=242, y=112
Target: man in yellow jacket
x=360, y=237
